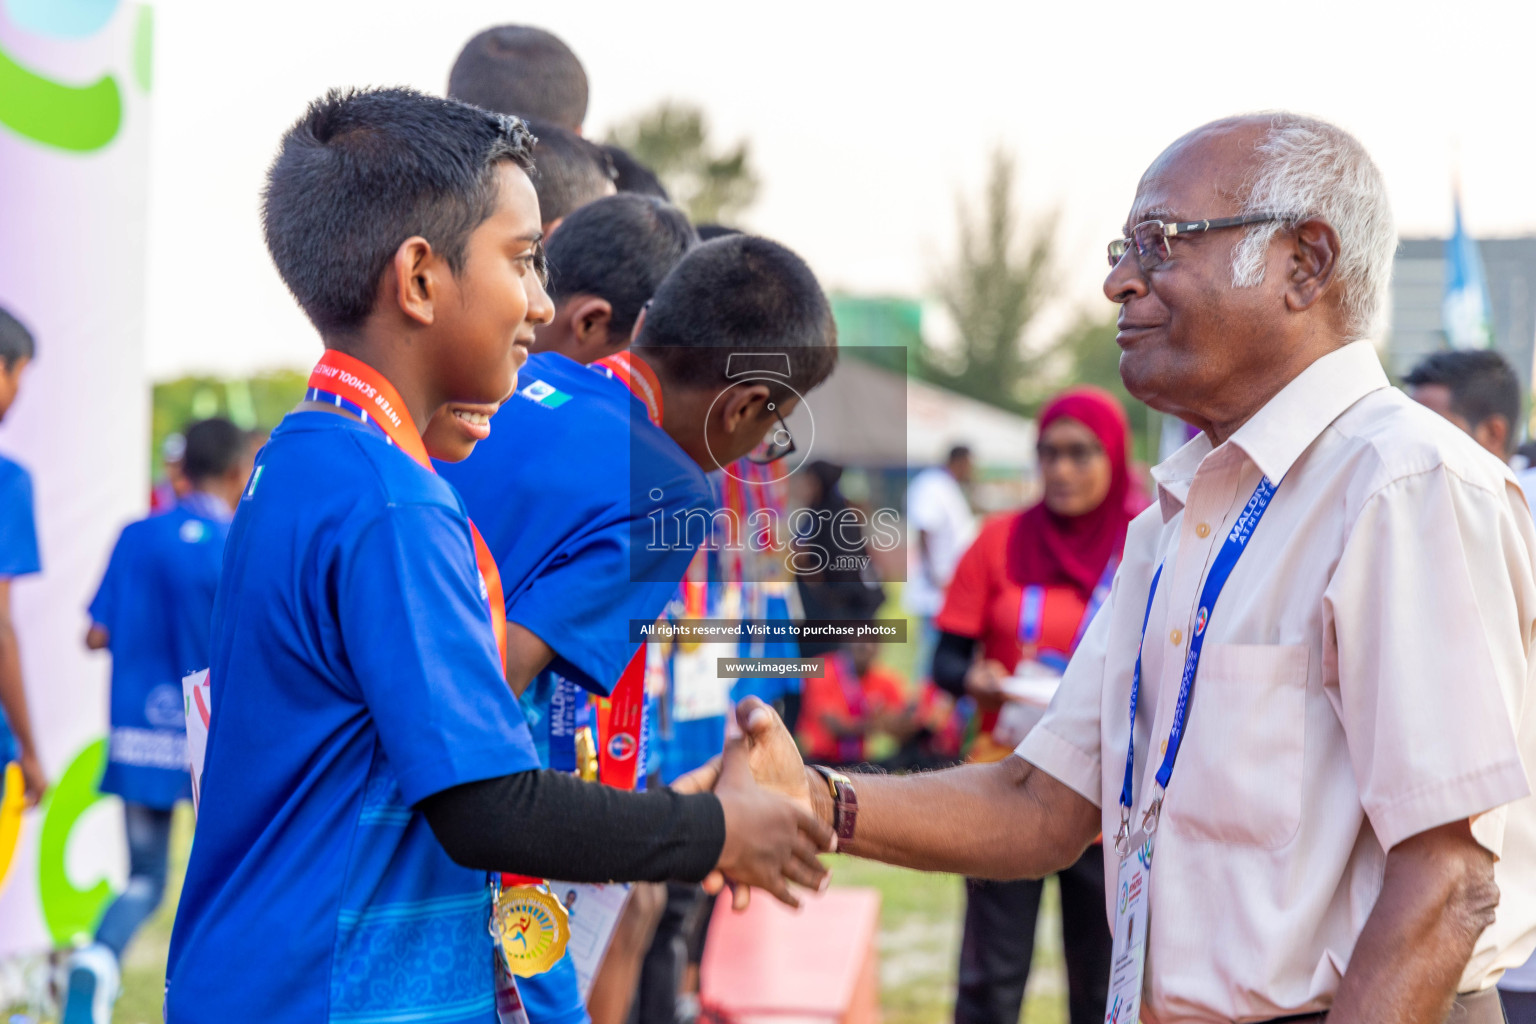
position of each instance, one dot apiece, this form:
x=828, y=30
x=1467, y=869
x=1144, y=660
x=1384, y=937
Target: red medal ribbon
x=638, y=376
x=355, y=381
x=619, y=721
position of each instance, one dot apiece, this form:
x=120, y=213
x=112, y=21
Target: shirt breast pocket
x=1239, y=773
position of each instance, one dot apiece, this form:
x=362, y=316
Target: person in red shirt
x=1017, y=604
x=856, y=698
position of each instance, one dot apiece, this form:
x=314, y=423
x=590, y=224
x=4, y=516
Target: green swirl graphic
x=69, y=912
x=78, y=119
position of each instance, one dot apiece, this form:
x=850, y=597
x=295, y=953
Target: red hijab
x=1046, y=548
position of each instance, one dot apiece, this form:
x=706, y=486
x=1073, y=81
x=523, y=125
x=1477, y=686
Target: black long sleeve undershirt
x=553, y=825
x=952, y=658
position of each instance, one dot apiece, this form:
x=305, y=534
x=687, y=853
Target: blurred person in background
x=152, y=613
x=940, y=525
x=568, y=173
x=606, y=262
x=1479, y=392
x=855, y=699
x=522, y=70
x=834, y=573
x=172, y=483
x=18, y=557
x=1018, y=604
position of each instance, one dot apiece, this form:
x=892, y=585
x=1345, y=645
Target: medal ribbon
x=620, y=726
x=637, y=375
x=1226, y=560
x=351, y=384
x=1032, y=619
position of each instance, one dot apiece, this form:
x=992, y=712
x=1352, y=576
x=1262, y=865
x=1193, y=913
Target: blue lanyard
x=1032, y=618
x=566, y=704
x=1226, y=560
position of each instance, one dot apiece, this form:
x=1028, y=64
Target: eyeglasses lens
x=1151, y=243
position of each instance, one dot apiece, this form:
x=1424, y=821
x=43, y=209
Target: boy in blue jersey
x=152, y=613
x=367, y=763
x=605, y=264
x=18, y=557
x=624, y=444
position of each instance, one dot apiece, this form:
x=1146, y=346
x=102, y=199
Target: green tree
x=672, y=139
x=251, y=402
x=999, y=280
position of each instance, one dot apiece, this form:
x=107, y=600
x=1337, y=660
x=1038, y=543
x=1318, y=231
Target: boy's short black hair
x=744, y=295
x=362, y=171
x=1481, y=382
x=568, y=171
x=522, y=70
x=619, y=248
x=214, y=446
x=710, y=232
x=630, y=175
x=16, y=341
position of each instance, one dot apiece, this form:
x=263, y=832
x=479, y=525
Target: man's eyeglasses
x=778, y=444
x=1150, y=237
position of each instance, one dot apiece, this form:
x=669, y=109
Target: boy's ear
x=590, y=320
x=416, y=276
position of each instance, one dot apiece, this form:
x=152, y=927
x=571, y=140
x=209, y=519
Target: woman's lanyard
x=1226, y=560
x=353, y=385
x=1032, y=620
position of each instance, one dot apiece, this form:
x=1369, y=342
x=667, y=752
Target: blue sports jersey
x=18, y=553
x=156, y=602
x=354, y=673
x=559, y=491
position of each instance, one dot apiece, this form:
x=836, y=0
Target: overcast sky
x=866, y=120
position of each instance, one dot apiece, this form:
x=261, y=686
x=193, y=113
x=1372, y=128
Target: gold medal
x=533, y=929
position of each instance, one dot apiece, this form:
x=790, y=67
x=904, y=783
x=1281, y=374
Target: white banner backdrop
x=74, y=108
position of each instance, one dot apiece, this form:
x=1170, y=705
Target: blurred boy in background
x=855, y=700
x=18, y=557
x=152, y=612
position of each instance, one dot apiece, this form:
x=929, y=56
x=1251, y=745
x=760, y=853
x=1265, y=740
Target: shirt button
x=1203, y=530
x=1176, y=637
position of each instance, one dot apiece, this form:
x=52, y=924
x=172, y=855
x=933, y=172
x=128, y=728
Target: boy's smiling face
x=487, y=327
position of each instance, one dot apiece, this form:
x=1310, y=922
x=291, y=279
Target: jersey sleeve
x=107, y=605
x=582, y=601
x=970, y=589
x=18, y=527
x=417, y=632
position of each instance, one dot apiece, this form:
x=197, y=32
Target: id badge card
x=697, y=689
x=1128, y=966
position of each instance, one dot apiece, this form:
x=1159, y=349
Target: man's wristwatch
x=845, y=802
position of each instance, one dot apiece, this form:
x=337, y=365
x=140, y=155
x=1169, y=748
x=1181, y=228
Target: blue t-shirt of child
x=156, y=602
x=18, y=553
x=354, y=674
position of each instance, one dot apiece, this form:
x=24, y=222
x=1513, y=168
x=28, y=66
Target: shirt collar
x=1280, y=432
x=205, y=506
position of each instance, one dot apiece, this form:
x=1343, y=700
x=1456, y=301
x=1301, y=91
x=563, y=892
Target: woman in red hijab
x=1019, y=601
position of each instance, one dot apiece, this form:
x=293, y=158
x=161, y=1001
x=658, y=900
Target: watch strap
x=845, y=802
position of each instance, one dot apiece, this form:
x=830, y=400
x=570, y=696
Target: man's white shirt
x=1366, y=677
x=935, y=505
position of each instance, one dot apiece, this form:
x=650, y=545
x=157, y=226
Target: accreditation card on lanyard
x=528, y=925
x=1128, y=964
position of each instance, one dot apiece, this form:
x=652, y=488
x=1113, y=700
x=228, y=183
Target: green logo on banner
x=76, y=118
x=68, y=911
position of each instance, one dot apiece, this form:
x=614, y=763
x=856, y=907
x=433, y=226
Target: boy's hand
x=34, y=780
x=770, y=841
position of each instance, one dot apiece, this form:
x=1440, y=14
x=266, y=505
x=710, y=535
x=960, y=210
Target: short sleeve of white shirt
x=1067, y=743
x=1433, y=559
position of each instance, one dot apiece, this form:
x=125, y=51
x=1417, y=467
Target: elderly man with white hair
x=1303, y=720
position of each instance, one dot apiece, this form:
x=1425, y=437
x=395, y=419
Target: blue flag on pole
x=1465, y=311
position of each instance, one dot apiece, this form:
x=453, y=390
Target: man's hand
x=770, y=841
x=34, y=780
